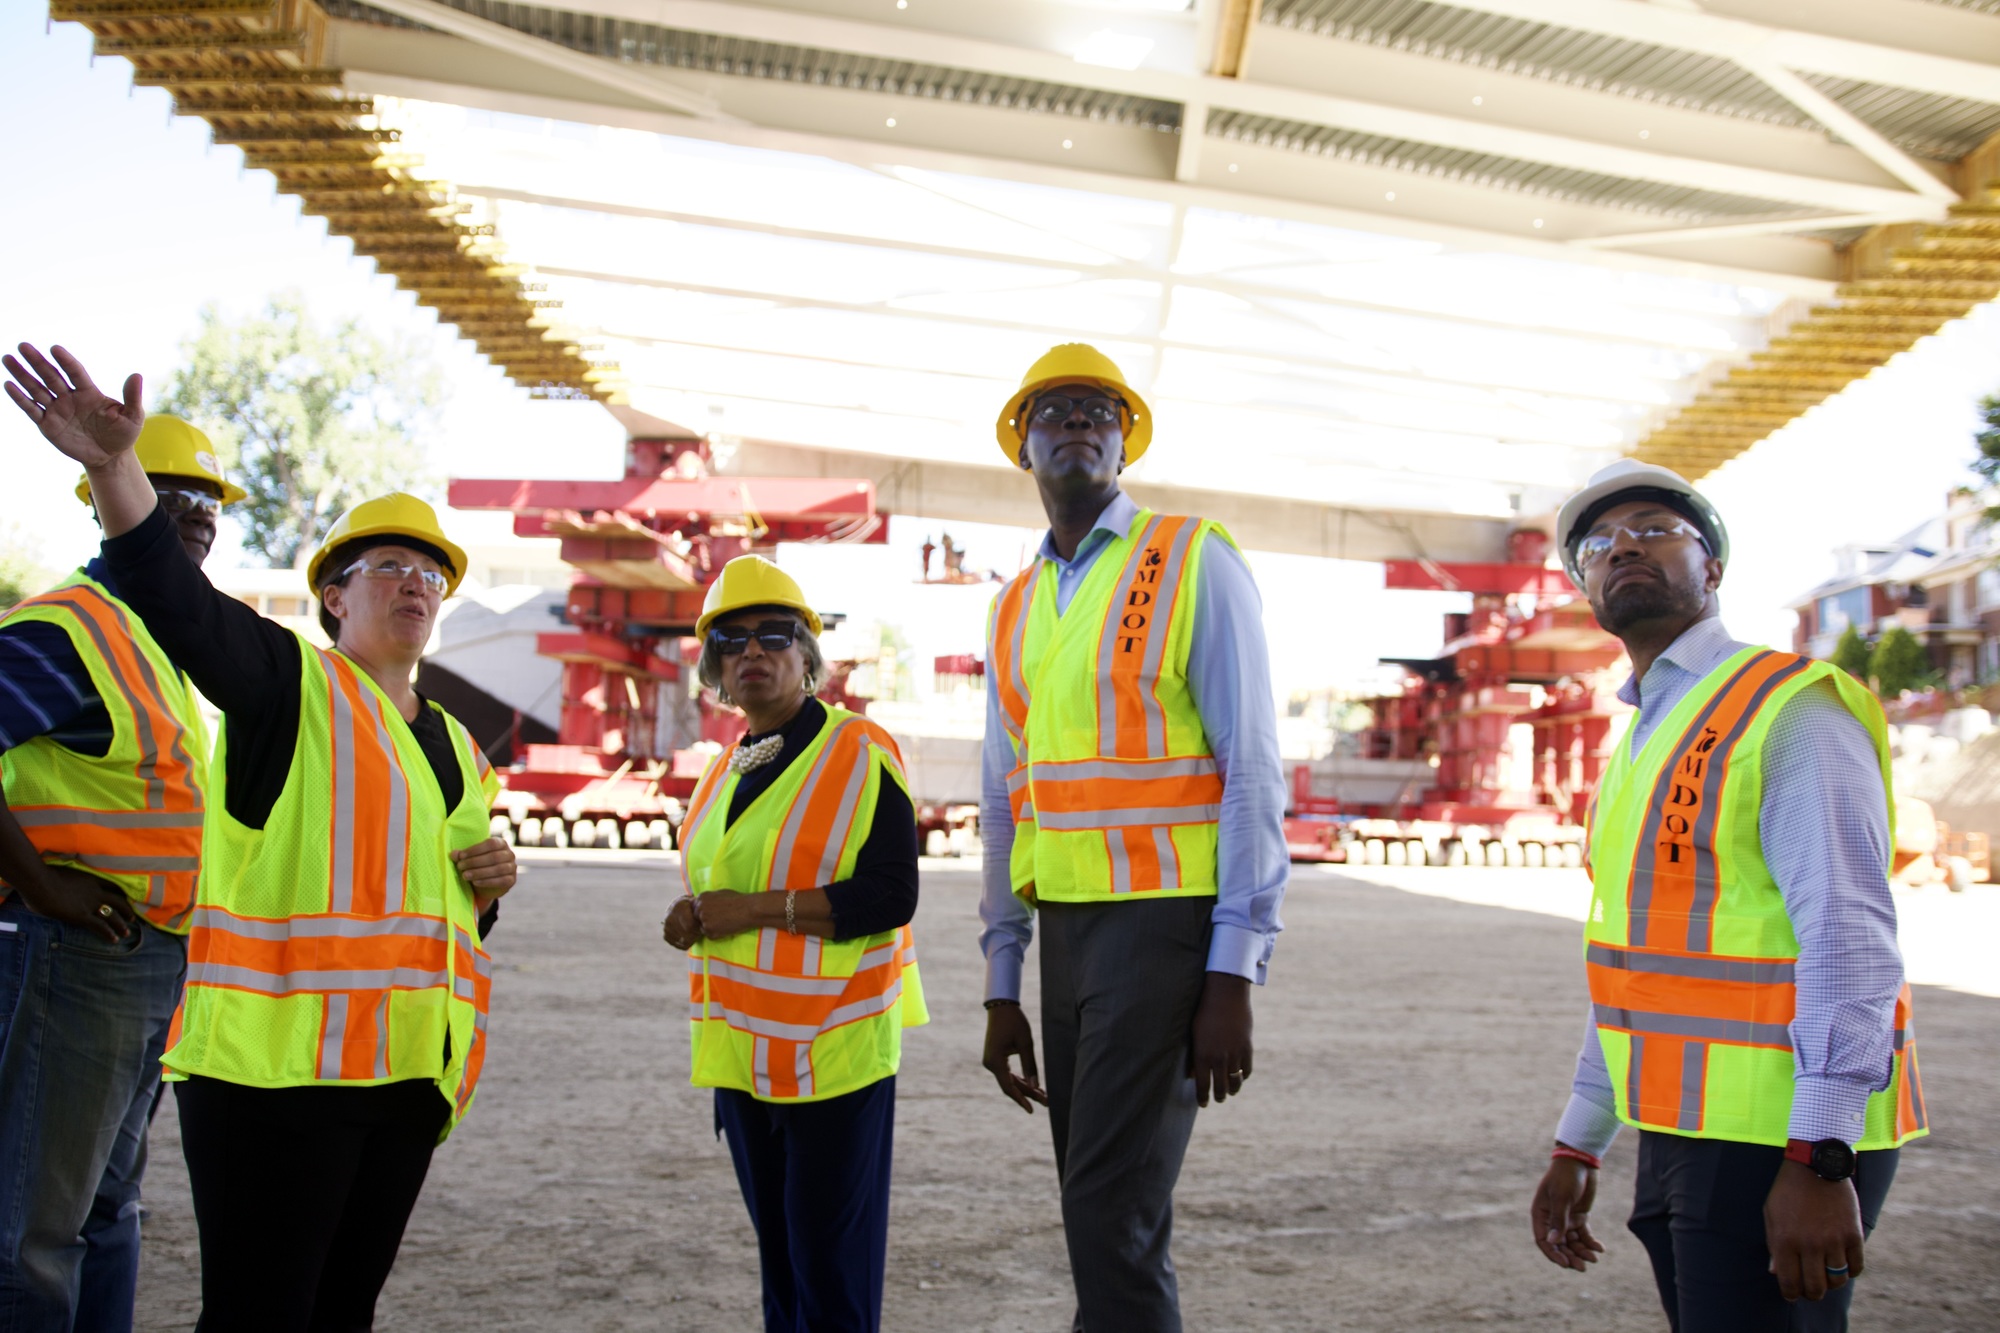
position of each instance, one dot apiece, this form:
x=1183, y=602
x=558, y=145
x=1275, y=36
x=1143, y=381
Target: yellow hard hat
x=1072, y=363
x=389, y=517
x=170, y=447
x=751, y=580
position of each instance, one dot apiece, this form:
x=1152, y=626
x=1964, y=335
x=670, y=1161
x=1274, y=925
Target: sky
x=131, y=220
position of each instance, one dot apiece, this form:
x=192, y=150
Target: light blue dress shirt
x=1825, y=832
x=1229, y=675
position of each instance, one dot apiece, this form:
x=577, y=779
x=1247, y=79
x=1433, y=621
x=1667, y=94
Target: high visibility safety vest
x=337, y=945
x=797, y=1018
x=132, y=817
x=1689, y=950
x=1114, y=788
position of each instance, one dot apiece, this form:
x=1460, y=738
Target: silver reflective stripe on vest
x=341, y=887
x=138, y=865
x=1166, y=596
x=1127, y=770
x=1695, y=1029
x=318, y=927
x=382, y=1036
x=148, y=768
x=1706, y=967
x=777, y=981
x=294, y=983
x=1170, y=858
x=45, y=816
x=330, y=1040
x=1107, y=641
x=1076, y=820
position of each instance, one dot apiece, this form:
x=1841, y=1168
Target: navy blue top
x=45, y=689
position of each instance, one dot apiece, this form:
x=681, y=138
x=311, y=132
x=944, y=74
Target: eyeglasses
x=177, y=501
x=434, y=582
x=772, y=636
x=1600, y=542
x=1101, y=410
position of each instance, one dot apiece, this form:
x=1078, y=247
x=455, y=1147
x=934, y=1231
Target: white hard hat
x=1629, y=474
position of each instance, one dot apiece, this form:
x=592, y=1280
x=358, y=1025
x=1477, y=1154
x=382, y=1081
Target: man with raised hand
x=103, y=777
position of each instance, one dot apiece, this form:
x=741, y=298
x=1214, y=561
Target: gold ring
x=104, y=910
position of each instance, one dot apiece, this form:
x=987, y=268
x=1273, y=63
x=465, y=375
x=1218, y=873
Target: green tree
x=1900, y=663
x=22, y=573
x=1852, y=654
x=1987, y=465
x=309, y=419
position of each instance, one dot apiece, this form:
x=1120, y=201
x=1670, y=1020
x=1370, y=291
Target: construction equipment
x=635, y=733
x=1490, y=753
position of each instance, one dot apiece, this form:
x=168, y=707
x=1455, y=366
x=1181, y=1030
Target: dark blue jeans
x=82, y=1026
x=815, y=1176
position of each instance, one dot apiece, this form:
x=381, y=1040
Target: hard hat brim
x=231, y=492
x=1637, y=479
x=387, y=532
x=1013, y=437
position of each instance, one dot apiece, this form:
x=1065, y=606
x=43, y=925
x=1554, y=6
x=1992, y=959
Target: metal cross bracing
x=1407, y=258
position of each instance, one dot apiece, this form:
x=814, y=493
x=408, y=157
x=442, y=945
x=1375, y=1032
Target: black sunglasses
x=772, y=636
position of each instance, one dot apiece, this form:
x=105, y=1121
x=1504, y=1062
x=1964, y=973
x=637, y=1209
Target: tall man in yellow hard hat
x=103, y=778
x=1748, y=1013
x=1133, y=797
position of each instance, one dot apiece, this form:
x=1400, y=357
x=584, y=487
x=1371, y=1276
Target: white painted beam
x=1852, y=128
x=1642, y=330
x=405, y=81
x=1727, y=230
x=970, y=493
x=896, y=42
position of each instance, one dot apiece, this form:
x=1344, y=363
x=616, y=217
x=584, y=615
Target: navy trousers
x=1699, y=1211
x=815, y=1177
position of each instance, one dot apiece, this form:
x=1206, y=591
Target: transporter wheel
x=937, y=843
x=1534, y=855
x=1957, y=873
x=1417, y=854
x=637, y=834
x=1454, y=852
x=500, y=826
x=1397, y=852
x=1373, y=853
x=531, y=832
x=1573, y=855
x=555, y=833
x=659, y=835
x=583, y=833
x=607, y=834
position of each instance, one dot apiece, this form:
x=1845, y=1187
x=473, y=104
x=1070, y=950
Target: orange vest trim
x=162, y=841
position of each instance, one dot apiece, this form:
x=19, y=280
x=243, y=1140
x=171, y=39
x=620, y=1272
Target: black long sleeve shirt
x=882, y=893
x=247, y=666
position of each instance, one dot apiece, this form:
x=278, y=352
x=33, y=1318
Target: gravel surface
x=1412, y=1055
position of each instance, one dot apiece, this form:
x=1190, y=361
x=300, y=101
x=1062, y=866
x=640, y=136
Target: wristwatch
x=1830, y=1159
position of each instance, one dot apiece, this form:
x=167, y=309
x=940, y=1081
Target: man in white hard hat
x=1748, y=1012
x=1132, y=799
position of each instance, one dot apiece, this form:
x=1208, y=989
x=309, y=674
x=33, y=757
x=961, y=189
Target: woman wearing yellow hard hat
x=334, y=1021
x=799, y=853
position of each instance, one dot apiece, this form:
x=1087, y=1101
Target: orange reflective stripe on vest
x=1674, y=875
x=1011, y=625
x=472, y=980
x=1130, y=722
x=370, y=845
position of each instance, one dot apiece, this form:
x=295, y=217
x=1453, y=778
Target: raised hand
x=72, y=413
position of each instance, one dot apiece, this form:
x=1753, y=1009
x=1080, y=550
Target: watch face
x=1832, y=1160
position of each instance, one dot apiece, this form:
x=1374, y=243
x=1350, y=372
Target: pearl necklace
x=756, y=754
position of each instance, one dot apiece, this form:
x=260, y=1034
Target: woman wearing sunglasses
x=333, y=1025
x=800, y=857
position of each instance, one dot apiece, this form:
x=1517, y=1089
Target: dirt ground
x=1412, y=1055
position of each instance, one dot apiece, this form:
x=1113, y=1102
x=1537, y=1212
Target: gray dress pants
x=1120, y=981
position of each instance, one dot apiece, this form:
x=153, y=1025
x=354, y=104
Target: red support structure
x=645, y=548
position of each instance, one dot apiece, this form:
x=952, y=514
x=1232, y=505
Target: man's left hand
x=489, y=867
x=1810, y=1226
x=1221, y=1059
